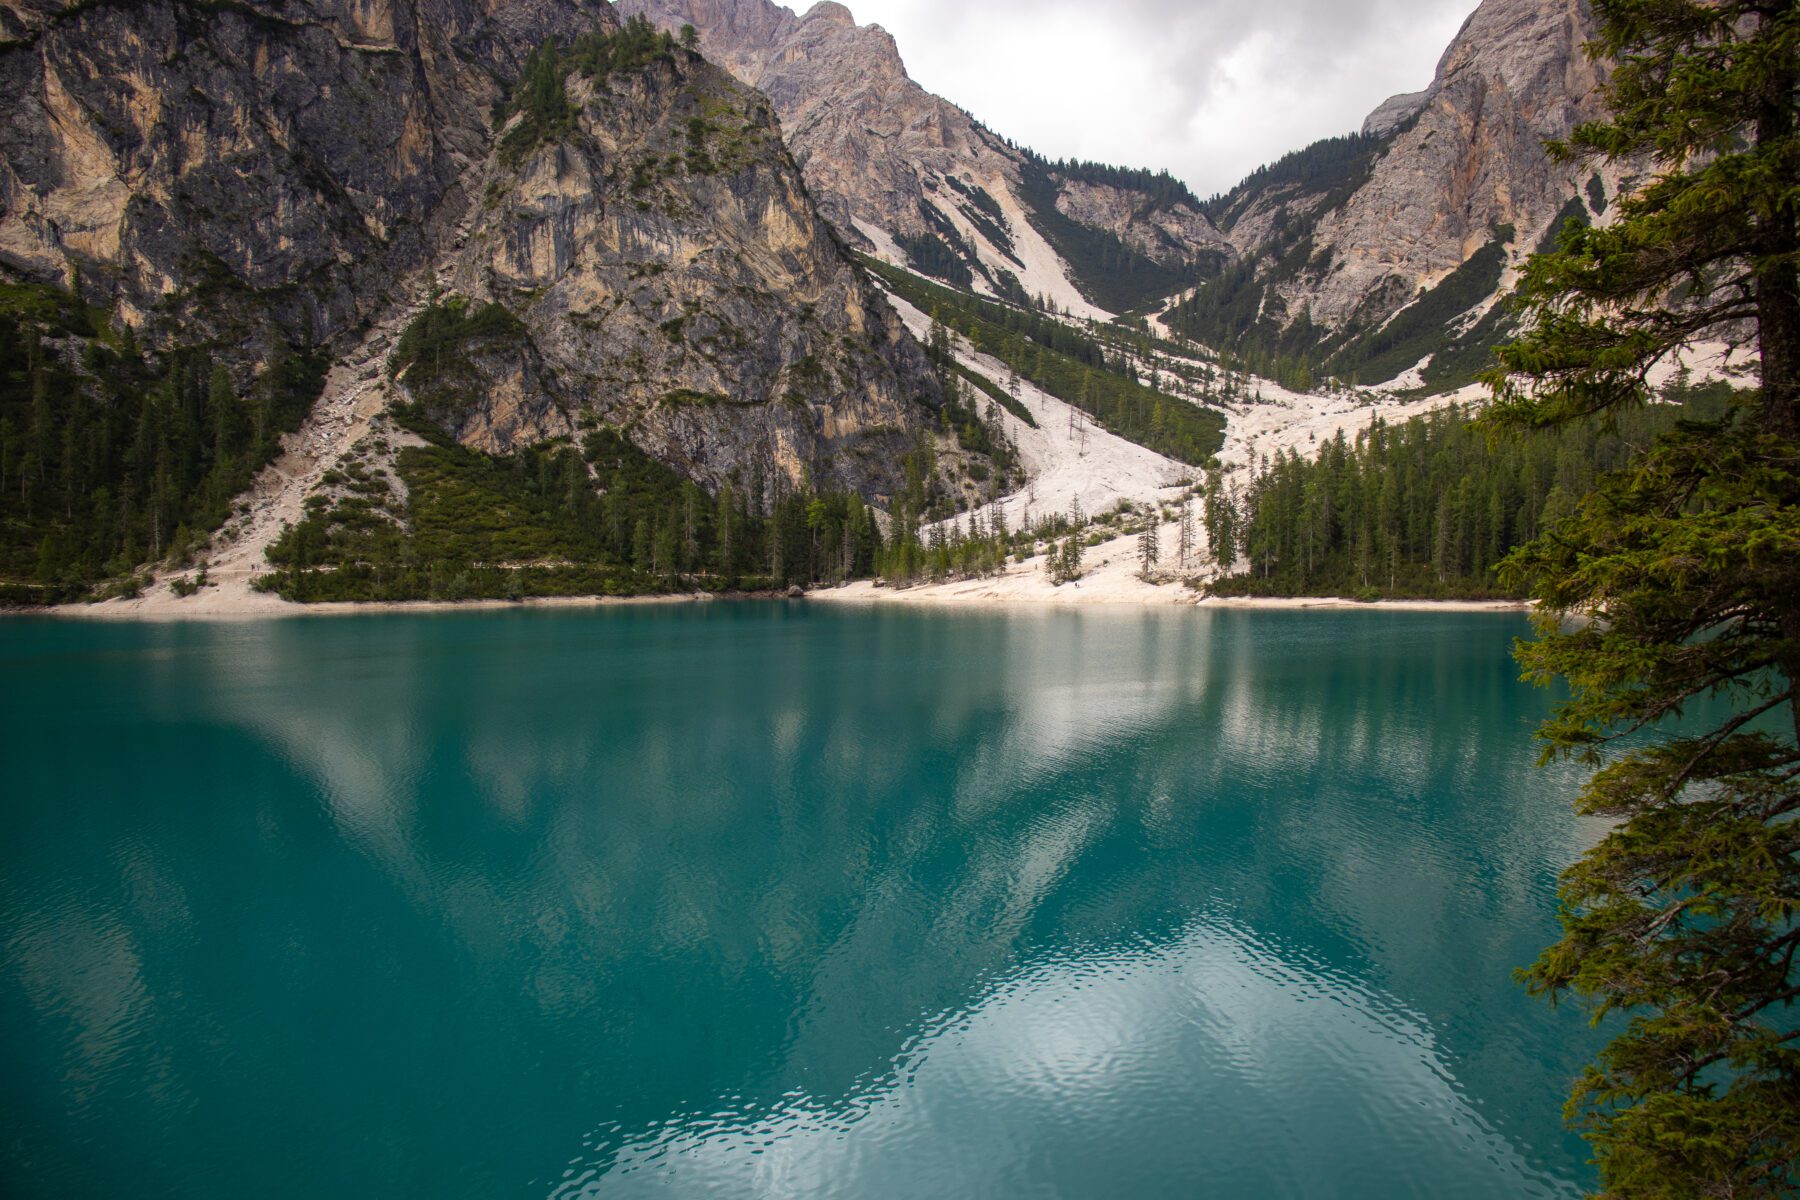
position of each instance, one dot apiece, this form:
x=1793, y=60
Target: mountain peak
x=1394, y=112
x=830, y=10
x=1427, y=213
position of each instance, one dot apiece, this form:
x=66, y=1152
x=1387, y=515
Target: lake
x=780, y=899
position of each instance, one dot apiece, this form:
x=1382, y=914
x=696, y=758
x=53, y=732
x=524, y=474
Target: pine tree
x=1147, y=545
x=9, y=440
x=222, y=405
x=1184, y=545
x=690, y=539
x=1218, y=514
x=725, y=522
x=1062, y=561
x=1683, y=922
x=643, y=549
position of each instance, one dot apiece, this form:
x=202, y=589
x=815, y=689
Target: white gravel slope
x=1067, y=458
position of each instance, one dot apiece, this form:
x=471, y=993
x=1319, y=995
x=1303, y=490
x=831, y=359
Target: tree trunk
x=1778, y=337
x=1778, y=284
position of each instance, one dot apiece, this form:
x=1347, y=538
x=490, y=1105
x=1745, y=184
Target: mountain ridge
x=294, y=155
x=885, y=157
x=505, y=233
x=1296, y=270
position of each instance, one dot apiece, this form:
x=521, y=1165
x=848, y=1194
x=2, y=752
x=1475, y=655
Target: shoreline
x=1297, y=602
x=971, y=595
x=967, y=594
x=271, y=608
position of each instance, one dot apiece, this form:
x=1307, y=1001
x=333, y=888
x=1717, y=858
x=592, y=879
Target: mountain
x=449, y=297
x=333, y=234
x=920, y=181
x=1368, y=253
x=670, y=275
x=1360, y=257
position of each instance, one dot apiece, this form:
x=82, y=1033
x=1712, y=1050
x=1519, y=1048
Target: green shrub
x=437, y=350
x=540, y=96
x=552, y=520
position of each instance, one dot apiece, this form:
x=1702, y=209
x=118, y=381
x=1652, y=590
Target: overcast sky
x=1210, y=89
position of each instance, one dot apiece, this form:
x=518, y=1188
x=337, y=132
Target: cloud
x=1210, y=89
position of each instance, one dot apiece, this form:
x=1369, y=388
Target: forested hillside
x=1114, y=275
x=552, y=520
x=109, y=457
x=1424, y=509
x=1331, y=168
x=1069, y=364
x=765, y=365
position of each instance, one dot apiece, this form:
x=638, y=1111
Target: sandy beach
x=967, y=593
x=1111, y=576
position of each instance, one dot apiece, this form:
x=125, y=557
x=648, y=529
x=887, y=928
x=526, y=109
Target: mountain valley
x=424, y=300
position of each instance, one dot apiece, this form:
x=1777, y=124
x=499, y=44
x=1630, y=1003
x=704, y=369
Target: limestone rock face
x=1174, y=234
x=883, y=156
x=302, y=169
x=214, y=169
x=1394, y=112
x=866, y=136
x=510, y=399
x=676, y=281
x=1464, y=159
x=1443, y=171
x=1473, y=160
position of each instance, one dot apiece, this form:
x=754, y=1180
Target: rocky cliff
x=208, y=167
x=1427, y=209
x=671, y=277
x=1336, y=239
x=1468, y=162
x=1175, y=234
x=292, y=170
x=915, y=178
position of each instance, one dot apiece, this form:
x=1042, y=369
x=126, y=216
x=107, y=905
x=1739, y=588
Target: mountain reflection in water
x=765, y=899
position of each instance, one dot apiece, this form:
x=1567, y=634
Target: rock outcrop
x=672, y=278
x=208, y=169
x=1394, y=112
x=1429, y=208
x=1471, y=161
x=1433, y=179
x=1176, y=234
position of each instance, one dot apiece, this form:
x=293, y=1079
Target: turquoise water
x=775, y=900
